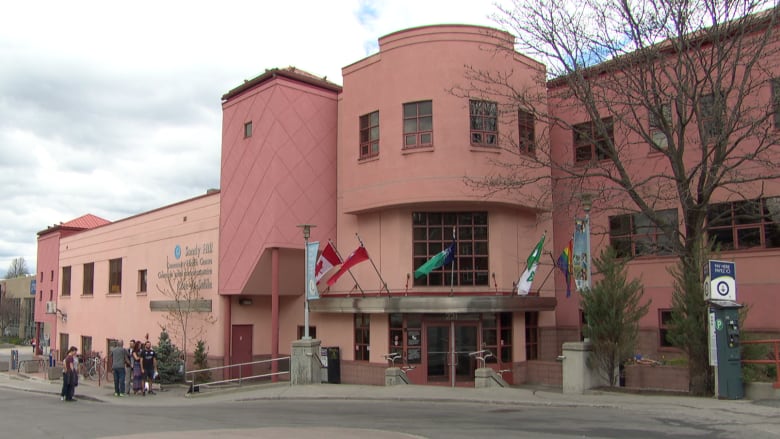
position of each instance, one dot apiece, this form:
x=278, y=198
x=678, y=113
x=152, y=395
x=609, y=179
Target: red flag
x=327, y=260
x=356, y=257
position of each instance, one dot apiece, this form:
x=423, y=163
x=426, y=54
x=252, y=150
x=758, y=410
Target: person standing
x=118, y=360
x=148, y=366
x=69, y=376
x=137, y=371
x=129, y=366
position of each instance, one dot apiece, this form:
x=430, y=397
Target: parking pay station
x=720, y=292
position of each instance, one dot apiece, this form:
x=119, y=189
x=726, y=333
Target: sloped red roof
x=87, y=221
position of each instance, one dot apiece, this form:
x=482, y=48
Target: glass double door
x=448, y=345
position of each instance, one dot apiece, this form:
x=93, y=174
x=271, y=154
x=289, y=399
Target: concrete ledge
x=5, y=366
x=759, y=391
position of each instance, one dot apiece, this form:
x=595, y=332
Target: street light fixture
x=306, y=228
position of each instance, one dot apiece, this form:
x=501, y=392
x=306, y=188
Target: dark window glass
x=592, y=140
x=636, y=235
x=115, y=276
x=369, y=135
x=66, y=281
x=89, y=279
x=526, y=131
x=745, y=224
x=484, y=123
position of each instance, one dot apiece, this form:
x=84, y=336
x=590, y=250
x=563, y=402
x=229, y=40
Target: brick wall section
x=538, y=372
x=639, y=376
x=360, y=372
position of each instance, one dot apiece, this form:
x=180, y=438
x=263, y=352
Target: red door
x=241, y=350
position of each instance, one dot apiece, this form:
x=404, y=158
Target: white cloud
x=114, y=109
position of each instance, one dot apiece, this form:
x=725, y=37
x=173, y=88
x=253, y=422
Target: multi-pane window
x=664, y=320
x=362, y=336
x=115, y=276
x=248, y=129
x=406, y=338
x=592, y=140
x=532, y=335
x=141, y=281
x=525, y=128
x=432, y=232
x=418, y=124
x=483, y=116
x=637, y=235
x=89, y=279
x=745, y=224
x=710, y=112
x=497, y=336
x=776, y=101
x=658, y=121
x=66, y=281
x=369, y=135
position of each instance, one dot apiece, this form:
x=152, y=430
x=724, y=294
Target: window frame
x=420, y=121
x=88, y=284
x=526, y=131
x=483, y=123
x=587, y=136
x=432, y=233
x=710, y=118
x=740, y=224
x=247, y=129
x=657, y=126
x=66, y=281
x=115, y=276
x=362, y=336
x=775, y=95
x=664, y=317
x=142, y=280
x=624, y=229
x=368, y=135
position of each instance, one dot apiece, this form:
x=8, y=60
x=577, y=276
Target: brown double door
x=447, y=348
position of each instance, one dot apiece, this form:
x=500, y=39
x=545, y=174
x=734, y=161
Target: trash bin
x=14, y=359
x=334, y=365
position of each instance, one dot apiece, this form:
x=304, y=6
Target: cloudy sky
x=113, y=108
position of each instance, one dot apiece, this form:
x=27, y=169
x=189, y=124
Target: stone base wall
x=644, y=377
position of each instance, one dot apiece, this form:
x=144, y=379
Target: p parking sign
x=722, y=281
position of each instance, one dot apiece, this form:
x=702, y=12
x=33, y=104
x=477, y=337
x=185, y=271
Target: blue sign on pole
x=312, y=293
x=723, y=281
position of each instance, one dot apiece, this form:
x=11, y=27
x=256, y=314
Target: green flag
x=524, y=284
x=444, y=257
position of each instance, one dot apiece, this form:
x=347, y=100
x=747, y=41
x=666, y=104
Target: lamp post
x=306, y=228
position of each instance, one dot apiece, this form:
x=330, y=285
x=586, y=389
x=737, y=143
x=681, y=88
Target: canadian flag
x=328, y=259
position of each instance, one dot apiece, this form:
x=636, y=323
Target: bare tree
x=9, y=312
x=17, y=268
x=676, y=96
x=187, y=312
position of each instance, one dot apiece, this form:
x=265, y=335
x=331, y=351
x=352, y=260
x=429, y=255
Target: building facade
x=382, y=167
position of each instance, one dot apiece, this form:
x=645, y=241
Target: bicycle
x=95, y=367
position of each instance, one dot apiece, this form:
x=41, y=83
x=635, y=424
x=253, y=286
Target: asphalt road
x=33, y=415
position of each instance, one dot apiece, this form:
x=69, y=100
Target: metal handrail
x=775, y=360
x=482, y=355
x=240, y=379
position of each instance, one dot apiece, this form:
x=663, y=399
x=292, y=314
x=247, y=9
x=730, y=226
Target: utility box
x=331, y=359
x=725, y=333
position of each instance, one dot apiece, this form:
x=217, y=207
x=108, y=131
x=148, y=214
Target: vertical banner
x=581, y=256
x=312, y=292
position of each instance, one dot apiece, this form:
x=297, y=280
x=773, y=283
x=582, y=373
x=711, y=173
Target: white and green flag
x=524, y=284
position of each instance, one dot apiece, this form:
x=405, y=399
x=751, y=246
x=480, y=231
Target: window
x=51, y=295
x=52, y=276
x=369, y=135
x=89, y=279
x=776, y=100
x=66, y=281
x=664, y=319
x=248, y=129
x=141, y=281
x=362, y=337
x=525, y=128
x=418, y=124
x=745, y=224
x=484, y=123
x=657, y=124
x=532, y=335
x=636, y=235
x=406, y=338
x=86, y=347
x=115, y=276
x=497, y=336
x=591, y=140
x=432, y=233
x=710, y=112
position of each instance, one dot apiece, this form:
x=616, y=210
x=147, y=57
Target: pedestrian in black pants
x=70, y=376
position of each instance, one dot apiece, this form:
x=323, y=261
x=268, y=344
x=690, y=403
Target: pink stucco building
x=382, y=162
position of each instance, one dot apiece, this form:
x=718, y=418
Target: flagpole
x=384, y=284
x=555, y=264
x=362, y=293
x=452, y=270
x=306, y=233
